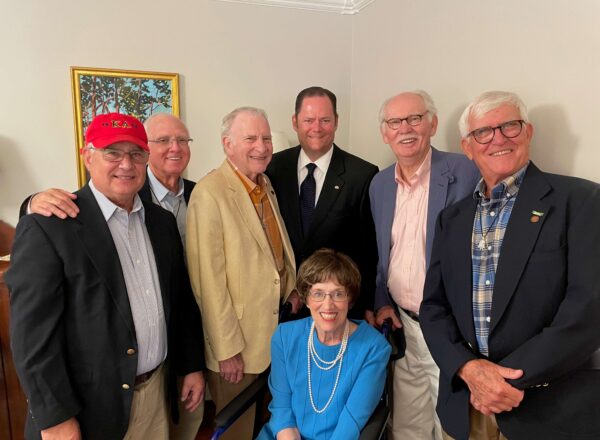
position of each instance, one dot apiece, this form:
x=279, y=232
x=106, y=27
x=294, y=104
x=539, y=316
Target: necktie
x=308, y=192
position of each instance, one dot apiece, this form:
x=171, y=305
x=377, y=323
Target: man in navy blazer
x=102, y=313
x=342, y=213
x=169, y=143
x=406, y=198
x=512, y=297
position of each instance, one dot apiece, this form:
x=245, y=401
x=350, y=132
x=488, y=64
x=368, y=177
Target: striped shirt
x=136, y=256
x=489, y=226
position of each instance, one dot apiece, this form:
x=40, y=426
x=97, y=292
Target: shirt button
x=489, y=248
x=492, y=213
x=125, y=386
x=488, y=319
x=130, y=351
x=487, y=282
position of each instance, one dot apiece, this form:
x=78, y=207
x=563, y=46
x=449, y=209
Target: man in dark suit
x=102, y=314
x=335, y=193
x=512, y=295
x=406, y=199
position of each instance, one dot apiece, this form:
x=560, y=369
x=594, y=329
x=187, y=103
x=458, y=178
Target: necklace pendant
x=481, y=245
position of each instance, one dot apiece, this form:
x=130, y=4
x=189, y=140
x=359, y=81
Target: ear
x=336, y=123
x=434, y=125
x=87, y=158
x=295, y=123
x=226, y=142
x=529, y=131
x=464, y=144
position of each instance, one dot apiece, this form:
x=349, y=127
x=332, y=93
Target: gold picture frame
x=137, y=93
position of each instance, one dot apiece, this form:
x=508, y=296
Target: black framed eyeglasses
x=510, y=129
x=111, y=155
x=412, y=120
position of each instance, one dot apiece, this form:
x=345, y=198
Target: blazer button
x=276, y=281
x=130, y=351
x=125, y=386
x=275, y=311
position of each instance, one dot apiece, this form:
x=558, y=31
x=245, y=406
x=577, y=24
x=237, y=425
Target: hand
x=54, y=201
x=232, y=369
x=192, y=390
x=388, y=312
x=289, y=434
x=370, y=317
x=67, y=430
x=490, y=393
x=295, y=301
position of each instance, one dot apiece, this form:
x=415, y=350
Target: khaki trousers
x=189, y=422
x=222, y=393
x=415, y=388
x=149, y=417
x=481, y=427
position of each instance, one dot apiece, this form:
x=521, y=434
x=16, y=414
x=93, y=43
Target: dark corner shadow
x=554, y=145
x=16, y=181
x=450, y=141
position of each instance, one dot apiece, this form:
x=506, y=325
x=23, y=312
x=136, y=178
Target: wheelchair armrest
x=234, y=409
x=376, y=424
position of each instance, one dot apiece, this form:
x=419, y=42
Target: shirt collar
x=322, y=162
x=159, y=190
x=506, y=188
x=252, y=187
x=108, y=208
x=421, y=174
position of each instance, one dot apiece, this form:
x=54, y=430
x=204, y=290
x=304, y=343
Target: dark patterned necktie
x=308, y=192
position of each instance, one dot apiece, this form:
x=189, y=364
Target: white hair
x=486, y=102
x=427, y=99
x=230, y=117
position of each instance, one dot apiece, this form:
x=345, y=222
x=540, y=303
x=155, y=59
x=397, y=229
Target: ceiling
x=347, y=7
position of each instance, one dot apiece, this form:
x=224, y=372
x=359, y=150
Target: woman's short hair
x=329, y=265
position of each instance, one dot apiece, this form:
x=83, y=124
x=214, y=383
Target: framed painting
x=132, y=92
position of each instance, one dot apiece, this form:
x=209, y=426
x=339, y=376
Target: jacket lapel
x=246, y=209
x=388, y=208
x=519, y=239
x=100, y=248
x=439, y=180
x=332, y=187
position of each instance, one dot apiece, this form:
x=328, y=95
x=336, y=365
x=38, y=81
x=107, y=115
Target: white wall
x=231, y=54
x=548, y=51
x=227, y=54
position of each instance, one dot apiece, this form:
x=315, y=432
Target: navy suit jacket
x=452, y=177
x=71, y=323
x=545, y=309
x=342, y=218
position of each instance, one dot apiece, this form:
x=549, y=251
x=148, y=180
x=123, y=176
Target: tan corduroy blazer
x=233, y=273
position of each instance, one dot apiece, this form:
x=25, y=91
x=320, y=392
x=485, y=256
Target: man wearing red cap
x=102, y=314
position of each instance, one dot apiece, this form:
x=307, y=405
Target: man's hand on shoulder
x=67, y=430
x=232, y=369
x=490, y=393
x=53, y=201
x=192, y=390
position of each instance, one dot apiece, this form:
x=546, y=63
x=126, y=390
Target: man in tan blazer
x=240, y=260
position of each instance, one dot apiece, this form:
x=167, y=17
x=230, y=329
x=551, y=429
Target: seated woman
x=327, y=372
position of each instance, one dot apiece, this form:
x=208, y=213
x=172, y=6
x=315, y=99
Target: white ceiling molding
x=347, y=7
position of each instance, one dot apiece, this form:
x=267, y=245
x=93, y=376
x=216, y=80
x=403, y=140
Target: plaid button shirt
x=489, y=227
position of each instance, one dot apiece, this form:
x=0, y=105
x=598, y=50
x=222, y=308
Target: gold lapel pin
x=536, y=215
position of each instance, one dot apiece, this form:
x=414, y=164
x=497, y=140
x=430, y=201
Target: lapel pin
x=336, y=187
x=536, y=215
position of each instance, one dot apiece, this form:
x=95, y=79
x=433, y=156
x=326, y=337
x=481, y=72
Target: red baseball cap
x=111, y=128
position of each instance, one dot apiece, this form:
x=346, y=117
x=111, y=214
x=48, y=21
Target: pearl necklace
x=328, y=365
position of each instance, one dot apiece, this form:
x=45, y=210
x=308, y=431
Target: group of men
x=483, y=262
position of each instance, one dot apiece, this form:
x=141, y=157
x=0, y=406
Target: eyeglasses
x=165, y=142
x=336, y=295
x=510, y=129
x=110, y=155
x=412, y=120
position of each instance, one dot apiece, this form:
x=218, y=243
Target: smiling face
x=167, y=160
x=502, y=157
x=329, y=316
x=315, y=124
x=118, y=181
x=248, y=144
x=410, y=144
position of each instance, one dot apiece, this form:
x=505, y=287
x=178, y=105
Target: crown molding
x=346, y=7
